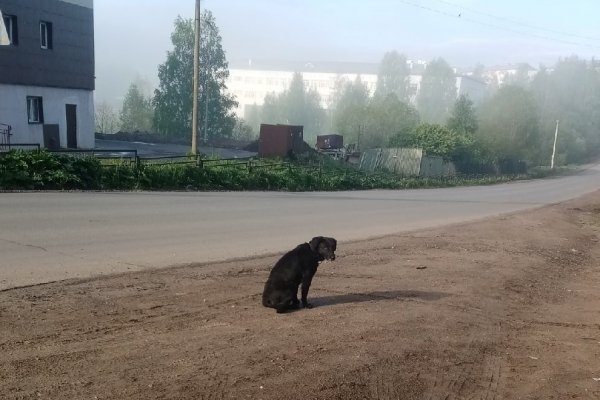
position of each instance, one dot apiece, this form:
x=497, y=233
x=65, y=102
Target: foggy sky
x=133, y=36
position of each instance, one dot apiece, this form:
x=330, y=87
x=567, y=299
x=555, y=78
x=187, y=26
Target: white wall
x=13, y=111
x=251, y=86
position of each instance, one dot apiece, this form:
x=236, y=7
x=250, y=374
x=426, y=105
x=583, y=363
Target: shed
x=330, y=142
x=280, y=140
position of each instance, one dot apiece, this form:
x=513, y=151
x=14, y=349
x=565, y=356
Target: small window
x=10, y=22
x=46, y=35
x=35, y=110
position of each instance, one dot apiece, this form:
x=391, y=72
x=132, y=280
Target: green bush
x=21, y=170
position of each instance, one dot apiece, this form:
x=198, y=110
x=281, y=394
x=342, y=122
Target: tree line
x=513, y=122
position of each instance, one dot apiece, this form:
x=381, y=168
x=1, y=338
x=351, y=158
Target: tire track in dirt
x=492, y=294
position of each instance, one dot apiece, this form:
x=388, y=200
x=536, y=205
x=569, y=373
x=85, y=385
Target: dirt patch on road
x=505, y=308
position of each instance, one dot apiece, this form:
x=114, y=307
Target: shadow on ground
x=375, y=296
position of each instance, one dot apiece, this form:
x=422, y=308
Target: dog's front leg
x=306, y=281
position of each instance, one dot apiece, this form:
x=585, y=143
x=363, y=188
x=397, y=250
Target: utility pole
x=195, y=114
x=554, y=147
x=207, y=70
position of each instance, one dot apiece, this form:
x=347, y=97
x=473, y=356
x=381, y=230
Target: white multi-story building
x=501, y=75
x=251, y=83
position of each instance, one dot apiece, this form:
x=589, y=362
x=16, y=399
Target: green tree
x=350, y=109
x=243, y=131
x=437, y=92
x=436, y=140
x=386, y=118
x=463, y=119
x=298, y=105
x=569, y=93
x=173, y=98
x=136, y=113
x=393, y=77
x=509, y=125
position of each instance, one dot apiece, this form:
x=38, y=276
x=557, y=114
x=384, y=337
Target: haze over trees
x=349, y=109
x=516, y=121
x=393, y=77
x=107, y=119
x=437, y=92
x=570, y=92
x=136, y=113
x=509, y=125
x=298, y=105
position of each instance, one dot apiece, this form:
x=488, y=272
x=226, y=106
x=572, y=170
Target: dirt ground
x=505, y=308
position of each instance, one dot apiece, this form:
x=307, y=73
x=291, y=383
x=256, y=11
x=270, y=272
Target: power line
x=517, y=22
x=495, y=26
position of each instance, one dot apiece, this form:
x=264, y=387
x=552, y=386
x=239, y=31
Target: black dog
x=295, y=267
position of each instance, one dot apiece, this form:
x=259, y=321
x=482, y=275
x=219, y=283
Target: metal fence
x=405, y=162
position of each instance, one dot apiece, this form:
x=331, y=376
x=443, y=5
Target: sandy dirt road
x=505, y=308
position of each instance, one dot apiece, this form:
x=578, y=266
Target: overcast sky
x=133, y=36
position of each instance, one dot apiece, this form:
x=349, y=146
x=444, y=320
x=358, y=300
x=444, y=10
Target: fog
x=133, y=36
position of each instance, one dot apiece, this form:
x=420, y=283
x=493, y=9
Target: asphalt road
x=53, y=236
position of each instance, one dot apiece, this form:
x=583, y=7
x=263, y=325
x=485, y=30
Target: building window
x=46, y=35
x=10, y=22
x=35, y=110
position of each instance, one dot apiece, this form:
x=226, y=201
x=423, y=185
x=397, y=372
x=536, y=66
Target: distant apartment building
x=475, y=89
x=252, y=82
x=502, y=75
x=47, y=72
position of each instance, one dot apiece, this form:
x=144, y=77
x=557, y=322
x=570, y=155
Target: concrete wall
x=13, y=111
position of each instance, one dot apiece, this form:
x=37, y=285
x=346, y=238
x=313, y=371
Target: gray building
x=47, y=72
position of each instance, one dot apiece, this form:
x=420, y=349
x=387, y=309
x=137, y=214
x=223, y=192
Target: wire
x=517, y=22
x=490, y=25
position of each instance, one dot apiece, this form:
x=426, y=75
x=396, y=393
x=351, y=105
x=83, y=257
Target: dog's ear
x=334, y=244
x=314, y=243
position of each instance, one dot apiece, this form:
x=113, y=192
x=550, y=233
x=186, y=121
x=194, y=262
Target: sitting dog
x=295, y=267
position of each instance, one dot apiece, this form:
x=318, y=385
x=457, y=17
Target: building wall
x=251, y=86
x=474, y=89
x=70, y=62
x=63, y=74
x=13, y=111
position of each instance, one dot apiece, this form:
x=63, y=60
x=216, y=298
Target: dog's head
x=324, y=247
